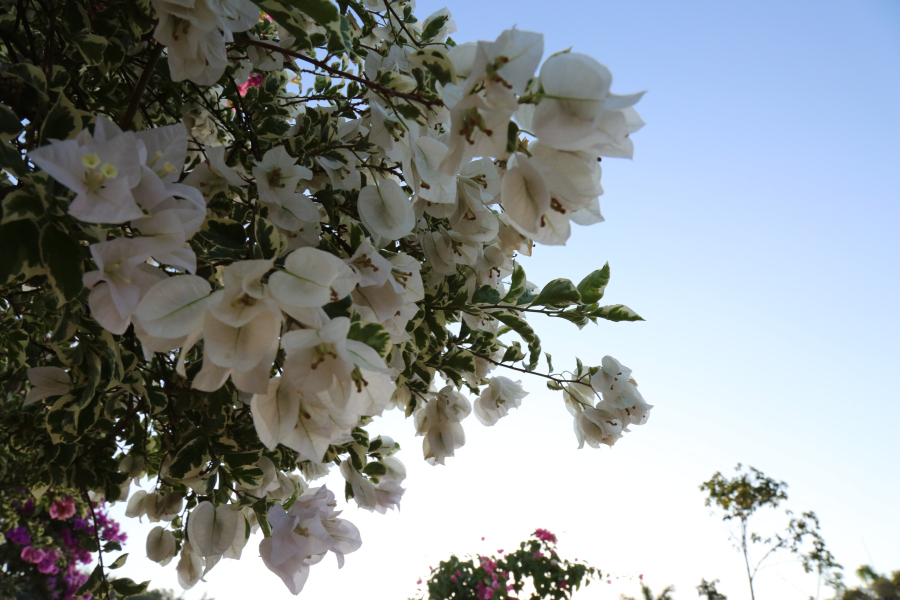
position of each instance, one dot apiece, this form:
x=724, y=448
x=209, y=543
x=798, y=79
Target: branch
x=343, y=74
x=402, y=25
x=97, y=538
x=551, y=377
x=141, y=85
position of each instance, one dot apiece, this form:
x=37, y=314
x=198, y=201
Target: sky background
x=757, y=232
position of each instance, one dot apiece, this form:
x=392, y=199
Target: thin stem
x=338, y=73
x=402, y=25
x=747, y=557
x=520, y=370
x=141, y=85
x=87, y=498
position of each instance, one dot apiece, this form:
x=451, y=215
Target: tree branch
x=141, y=85
x=338, y=73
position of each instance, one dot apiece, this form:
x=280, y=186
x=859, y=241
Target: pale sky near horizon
x=757, y=232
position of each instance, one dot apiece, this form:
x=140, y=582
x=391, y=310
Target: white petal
x=275, y=413
x=211, y=528
x=312, y=278
x=385, y=210
x=174, y=307
x=160, y=544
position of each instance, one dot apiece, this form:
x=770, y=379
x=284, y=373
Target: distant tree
x=709, y=590
x=876, y=587
x=647, y=594
x=740, y=497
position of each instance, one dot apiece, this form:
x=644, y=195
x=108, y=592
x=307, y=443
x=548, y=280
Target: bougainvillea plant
x=532, y=572
x=47, y=542
x=234, y=233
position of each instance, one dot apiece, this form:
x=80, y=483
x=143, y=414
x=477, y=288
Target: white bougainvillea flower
x=497, y=398
x=462, y=57
x=46, y=382
x=160, y=545
x=312, y=278
x=295, y=212
x=211, y=529
x=313, y=358
x=423, y=168
x=102, y=175
x=597, y=427
x=479, y=128
x=575, y=101
x=165, y=149
x=370, y=266
x=277, y=176
x=438, y=421
x=240, y=348
x=189, y=568
x=289, y=554
x=343, y=174
x=508, y=62
x=386, y=210
x=275, y=413
x=244, y=295
x=121, y=279
x=573, y=178
x=174, y=307
x=363, y=490
x=525, y=197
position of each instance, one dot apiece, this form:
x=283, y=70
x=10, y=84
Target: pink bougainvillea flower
x=29, y=554
x=63, y=509
x=253, y=81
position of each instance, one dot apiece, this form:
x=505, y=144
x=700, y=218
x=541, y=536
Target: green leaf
x=63, y=257
x=375, y=469
x=512, y=137
x=93, y=582
x=558, y=293
x=19, y=250
x=10, y=125
x=189, y=460
x=520, y=326
x=242, y=459
x=288, y=17
x=485, y=294
x=119, y=562
x=268, y=239
x=517, y=285
x=59, y=78
x=126, y=587
x=616, y=312
x=21, y=204
x=372, y=335
x=63, y=122
x=592, y=287
x=91, y=47
x=433, y=28
x=30, y=74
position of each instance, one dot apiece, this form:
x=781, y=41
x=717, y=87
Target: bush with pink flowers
x=534, y=569
x=47, y=542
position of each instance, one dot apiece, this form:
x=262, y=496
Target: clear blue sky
x=757, y=232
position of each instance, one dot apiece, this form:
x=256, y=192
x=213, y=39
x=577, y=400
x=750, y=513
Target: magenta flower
x=63, y=509
x=19, y=535
x=253, y=81
x=543, y=534
x=31, y=555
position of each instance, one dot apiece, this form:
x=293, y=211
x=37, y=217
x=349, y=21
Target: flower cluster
x=499, y=577
x=294, y=221
x=45, y=554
